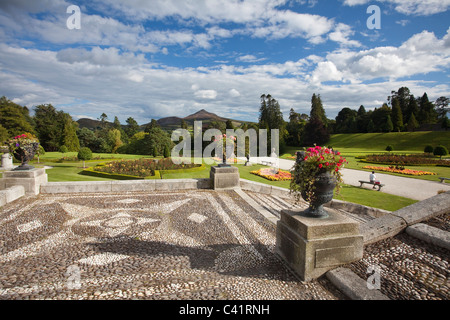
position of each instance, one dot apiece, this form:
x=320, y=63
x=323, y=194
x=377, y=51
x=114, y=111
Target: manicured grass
x=400, y=141
x=373, y=198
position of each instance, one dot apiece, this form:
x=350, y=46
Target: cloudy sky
x=156, y=58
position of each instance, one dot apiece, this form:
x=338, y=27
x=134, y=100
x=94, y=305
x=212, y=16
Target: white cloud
x=410, y=7
x=421, y=54
x=206, y=94
x=249, y=58
x=234, y=93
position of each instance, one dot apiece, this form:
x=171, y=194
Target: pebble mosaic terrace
x=183, y=245
x=167, y=245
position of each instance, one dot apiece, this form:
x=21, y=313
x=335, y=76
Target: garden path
x=401, y=186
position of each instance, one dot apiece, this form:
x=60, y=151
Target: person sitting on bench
x=372, y=178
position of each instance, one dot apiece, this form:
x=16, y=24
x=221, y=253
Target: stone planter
x=324, y=186
x=25, y=154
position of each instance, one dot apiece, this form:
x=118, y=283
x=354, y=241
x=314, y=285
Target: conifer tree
x=397, y=117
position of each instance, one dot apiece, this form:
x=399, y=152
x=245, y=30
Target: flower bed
x=268, y=173
x=401, y=171
x=410, y=160
x=141, y=167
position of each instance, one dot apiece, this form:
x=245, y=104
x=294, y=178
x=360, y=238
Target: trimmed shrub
x=63, y=149
x=440, y=151
x=84, y=154
x=428, y=149
x=389, y=148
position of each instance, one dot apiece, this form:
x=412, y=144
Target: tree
x=155, y=141
x=184, y=125
x=49, y=126
x=397, y=117
x=84, y=154
x=412, y=123
x=114, y=140
x=315, y=133
x=229, y=124
x=442, y=106
x=440, y=151
x=427, y=114
x=69, y=136
x=15, y=118
x=402, y=97
x=413, y=108
x=370, y=126
x=388, y=126
x=216, y=124
x=166, y=151
x=428, y=149
x=379, y=117
x=103, y=119
x=346, y=121
x=132, y=127
x=152, y=124
x=4, y=135
x=271, y=117
x=389, y=148
x=317, y=110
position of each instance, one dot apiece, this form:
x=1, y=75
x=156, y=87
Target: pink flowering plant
x=316, y=160
x=22, y=141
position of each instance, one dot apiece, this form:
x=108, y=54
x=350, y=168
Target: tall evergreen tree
x=427, y=114
x=412, y=123
x=388, y=126
x=49, y=126
x=397, y=117
x=69, y=136
x=413, y=108
x=442, y=108
x=271, y=117
x=317, y=110
x=132, y=127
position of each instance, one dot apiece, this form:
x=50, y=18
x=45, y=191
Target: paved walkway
x=401, y=186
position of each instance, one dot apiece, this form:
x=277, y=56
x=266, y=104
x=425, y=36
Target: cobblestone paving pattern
x=411, y=269
x=167, y=245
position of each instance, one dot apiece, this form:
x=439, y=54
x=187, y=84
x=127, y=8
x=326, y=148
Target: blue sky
x=151, y=59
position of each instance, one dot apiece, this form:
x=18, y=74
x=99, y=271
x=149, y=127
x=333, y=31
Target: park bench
x=371, y=183
x=442, y=179
x=268, y=162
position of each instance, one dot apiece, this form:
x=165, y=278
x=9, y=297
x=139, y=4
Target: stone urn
x=25, y=154
x=323, y=189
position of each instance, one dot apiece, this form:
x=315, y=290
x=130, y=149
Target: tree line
x=57, y=131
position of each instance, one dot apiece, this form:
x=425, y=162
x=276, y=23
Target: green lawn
x=71, y=171
x=360, y=144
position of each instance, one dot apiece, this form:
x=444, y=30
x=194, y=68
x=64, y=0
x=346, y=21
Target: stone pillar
x=312, y=246
x=7, y=162
x=224, y=177
x=31, y=180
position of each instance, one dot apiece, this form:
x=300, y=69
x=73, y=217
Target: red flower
x=320, y=165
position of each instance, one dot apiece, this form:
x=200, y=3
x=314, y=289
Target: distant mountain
x=90, y=123
x=169, y=123
x=204, y=115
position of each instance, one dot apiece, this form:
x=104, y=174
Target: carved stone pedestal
x=224, y=177
x=31, y=180
x=312, y=246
